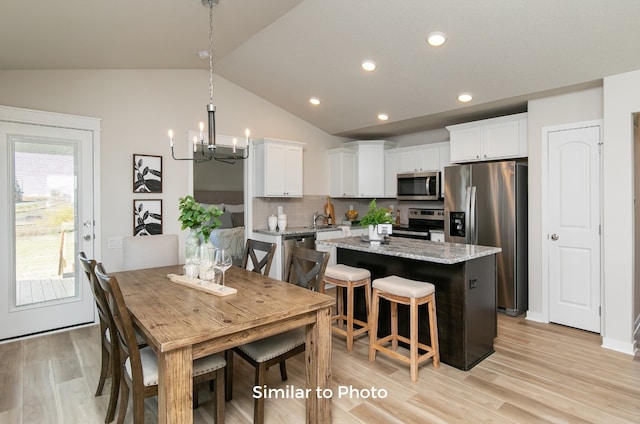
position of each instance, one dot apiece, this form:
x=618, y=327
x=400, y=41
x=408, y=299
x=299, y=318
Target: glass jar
x=191, y=246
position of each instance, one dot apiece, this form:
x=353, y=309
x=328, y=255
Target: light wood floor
x=539, y=373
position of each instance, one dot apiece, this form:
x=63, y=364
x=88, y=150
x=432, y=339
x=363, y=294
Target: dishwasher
x=307, y=240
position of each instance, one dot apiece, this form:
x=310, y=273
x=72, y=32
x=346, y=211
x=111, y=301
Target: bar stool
x=346, y=277
x=407, y=292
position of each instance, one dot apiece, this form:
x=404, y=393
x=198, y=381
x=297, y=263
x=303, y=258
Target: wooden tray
x=196, y=283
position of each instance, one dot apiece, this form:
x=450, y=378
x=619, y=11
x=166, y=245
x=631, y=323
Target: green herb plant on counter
x=376, y=215
x=196, y=217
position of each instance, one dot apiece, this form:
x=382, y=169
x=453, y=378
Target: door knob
x=554, y=237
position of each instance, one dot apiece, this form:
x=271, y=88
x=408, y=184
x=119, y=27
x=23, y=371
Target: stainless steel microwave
x=419, y=186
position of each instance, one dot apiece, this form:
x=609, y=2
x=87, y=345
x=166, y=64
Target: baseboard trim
x=535, y=316
x=619, y=346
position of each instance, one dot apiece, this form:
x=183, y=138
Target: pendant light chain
x=211, y=51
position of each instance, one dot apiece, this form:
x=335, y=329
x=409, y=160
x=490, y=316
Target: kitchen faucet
x=317, y=215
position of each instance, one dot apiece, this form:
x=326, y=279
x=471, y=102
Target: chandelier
x=205, y=152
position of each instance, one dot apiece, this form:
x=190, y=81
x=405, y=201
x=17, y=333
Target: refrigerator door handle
x=473, y=230
x=467, y=214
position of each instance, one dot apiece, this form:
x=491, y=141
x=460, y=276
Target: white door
x=46, y=213
x=574, y=227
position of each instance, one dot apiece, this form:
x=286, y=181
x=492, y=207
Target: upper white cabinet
x=419, y=158
x=278, y=168
x=391, y=159
x=370, y=155
x=358, y=169
x=342, y=171
x=496, y=138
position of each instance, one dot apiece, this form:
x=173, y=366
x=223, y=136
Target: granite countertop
x=421, y=250
x=298, y=230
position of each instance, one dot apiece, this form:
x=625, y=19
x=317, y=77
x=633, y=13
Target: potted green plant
x=375, y=215
x=199, y=220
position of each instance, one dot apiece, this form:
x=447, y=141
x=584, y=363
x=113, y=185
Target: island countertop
x=420, y=250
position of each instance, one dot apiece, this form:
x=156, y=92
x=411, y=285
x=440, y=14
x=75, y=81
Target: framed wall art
x=147, y=217
x=147, y=174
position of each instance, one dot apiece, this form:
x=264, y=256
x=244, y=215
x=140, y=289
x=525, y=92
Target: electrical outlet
x=473, y=283
x=114, y=243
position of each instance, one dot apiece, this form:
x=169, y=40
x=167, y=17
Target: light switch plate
x=114, y=243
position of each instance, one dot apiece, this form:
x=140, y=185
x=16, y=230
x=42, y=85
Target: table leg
x=175, y=386
x=318, y=359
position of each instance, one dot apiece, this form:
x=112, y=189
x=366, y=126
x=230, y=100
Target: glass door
x=47, y=179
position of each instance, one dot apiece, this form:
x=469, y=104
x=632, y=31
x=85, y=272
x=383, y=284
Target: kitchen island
x=465, y=280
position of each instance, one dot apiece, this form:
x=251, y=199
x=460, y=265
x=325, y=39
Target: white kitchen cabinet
x=444, y=157
x=278, y=168
x=370, y=166
x=342, y=172
x=391, y=161
x=419, y=159
x=497, y=138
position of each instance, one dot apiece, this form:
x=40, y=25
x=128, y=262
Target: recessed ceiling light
x=383, y=116
x=436, y=39
x=465, y=97
x=203, y=54
x=368, y=65
x=314, y=101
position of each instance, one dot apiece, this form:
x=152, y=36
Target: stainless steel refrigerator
x=486, y=204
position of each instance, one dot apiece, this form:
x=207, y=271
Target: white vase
x=373, y=233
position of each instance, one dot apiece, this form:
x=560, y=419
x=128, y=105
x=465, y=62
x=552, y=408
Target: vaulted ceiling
x=504, y=52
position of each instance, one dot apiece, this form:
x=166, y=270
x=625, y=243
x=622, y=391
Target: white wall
x=137, y=107
x=621, y=101
x=424, y=137
x=563, y=109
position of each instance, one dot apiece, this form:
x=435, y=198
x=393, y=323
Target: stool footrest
x=429, y=352
x=355, y=332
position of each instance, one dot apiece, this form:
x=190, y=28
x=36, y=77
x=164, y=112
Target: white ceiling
x=502, y=51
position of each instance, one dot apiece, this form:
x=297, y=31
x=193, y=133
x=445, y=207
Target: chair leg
x=394, y=325
x=124, y=400
x=194, y=398
x=349, y=316
x=228, y=375
x=116, y=373
x=373, y=326
x=258, y=404
x=413, y=339
x=283, y=371
x=367, y=299
x=433, y=329
x=104, y=369
x=340, y=306
x=219, y=396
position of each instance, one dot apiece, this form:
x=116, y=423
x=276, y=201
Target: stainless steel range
x=423, y=224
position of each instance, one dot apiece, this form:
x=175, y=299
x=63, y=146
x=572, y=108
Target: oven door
x=419, y=186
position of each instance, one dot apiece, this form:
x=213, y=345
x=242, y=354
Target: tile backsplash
x=300, y=210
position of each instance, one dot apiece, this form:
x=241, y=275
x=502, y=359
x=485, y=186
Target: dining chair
x=110, y=354
x=140, y=365
x=258, y=256
x=260, y=253
x=307, y=267
x=141, y=252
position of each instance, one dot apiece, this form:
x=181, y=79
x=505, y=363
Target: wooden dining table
x=183, y=324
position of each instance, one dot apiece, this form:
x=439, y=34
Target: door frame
x=72, y=122
x=544, y=216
